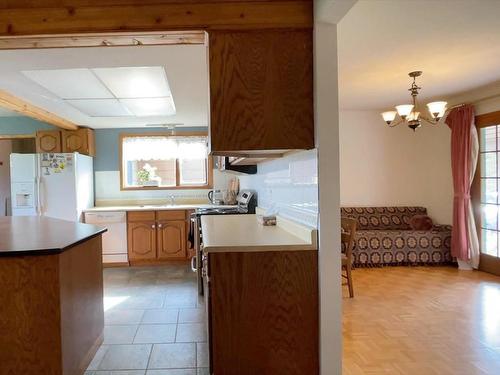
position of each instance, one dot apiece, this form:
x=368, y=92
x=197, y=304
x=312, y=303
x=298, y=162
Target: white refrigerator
x=60, y=186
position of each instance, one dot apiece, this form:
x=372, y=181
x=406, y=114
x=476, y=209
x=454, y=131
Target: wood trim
x=17, y=136
x=490, y=264
x=488, y=119
x=16, y=104
x=487, y=263
x=210, y=170
x=103, y=40
x=56, y=19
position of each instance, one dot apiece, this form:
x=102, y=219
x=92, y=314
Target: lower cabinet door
x=171, y=239
x=142, y=241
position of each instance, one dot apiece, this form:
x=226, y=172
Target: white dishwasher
x=114, y=241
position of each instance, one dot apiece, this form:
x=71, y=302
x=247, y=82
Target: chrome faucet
x=172, y=199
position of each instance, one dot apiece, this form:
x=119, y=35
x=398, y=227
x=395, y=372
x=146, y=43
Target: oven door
x=196, y=262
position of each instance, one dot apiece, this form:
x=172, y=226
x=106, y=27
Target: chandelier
x=409, y=113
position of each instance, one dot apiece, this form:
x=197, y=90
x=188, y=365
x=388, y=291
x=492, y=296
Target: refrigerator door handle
x=37, y=192
x=38, y=186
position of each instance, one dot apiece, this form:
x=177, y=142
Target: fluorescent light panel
x=101, y=107
x=150, y=106
x=110, y=92
x=70, y=83
x=135, y=82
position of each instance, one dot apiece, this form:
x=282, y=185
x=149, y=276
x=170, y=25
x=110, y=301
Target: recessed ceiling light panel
x=135, y=82
x=70, y=83
x=100, y=107
x=150, y=106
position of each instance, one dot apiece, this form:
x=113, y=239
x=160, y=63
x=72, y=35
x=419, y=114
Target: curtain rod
x=476, y=101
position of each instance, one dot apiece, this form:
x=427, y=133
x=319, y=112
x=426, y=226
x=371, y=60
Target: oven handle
x=193, y=264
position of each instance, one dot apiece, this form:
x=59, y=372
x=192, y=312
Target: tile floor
x=154, y=323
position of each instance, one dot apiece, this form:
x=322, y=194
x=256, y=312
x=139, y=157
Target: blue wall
x=106, y=140
x=22, y=125
x=107, y=145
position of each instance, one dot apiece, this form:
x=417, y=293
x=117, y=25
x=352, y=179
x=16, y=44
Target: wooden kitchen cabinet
x=48, y=141
x=156, y=236
x=142, y=241
x=171, y=240
x=52, y=141
x=81, y=140
x=261, y=91
x=263, y=312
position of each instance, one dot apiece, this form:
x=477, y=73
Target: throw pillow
x=421, y=222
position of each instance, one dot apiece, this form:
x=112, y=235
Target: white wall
x=382, y=166
x=288, y=186
x=5, y=150
x=327, y=141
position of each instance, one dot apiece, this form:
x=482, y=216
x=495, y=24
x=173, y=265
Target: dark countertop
x=33, y=235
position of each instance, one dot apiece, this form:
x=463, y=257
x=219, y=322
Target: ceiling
x=456, y=43
x=113, y=87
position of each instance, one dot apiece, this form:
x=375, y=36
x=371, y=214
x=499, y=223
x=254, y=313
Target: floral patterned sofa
x=384, y=237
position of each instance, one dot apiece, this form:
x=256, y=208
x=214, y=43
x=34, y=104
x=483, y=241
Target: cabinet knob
x=160, y=225
x=153, y=226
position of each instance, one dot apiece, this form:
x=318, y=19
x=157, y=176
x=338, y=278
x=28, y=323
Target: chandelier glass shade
x=410, y=114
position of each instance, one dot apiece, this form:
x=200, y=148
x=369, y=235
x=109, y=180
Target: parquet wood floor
x=422, y=321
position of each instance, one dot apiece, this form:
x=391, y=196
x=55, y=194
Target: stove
x=246, y=204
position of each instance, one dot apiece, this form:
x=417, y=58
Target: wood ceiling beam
x=154, y=17
x=16, y=104
x=103, y=40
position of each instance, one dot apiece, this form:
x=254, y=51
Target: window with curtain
x=165, y=162
x=490, y=188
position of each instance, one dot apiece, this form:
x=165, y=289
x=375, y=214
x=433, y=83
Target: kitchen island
x=51, y=300
x=261, y=290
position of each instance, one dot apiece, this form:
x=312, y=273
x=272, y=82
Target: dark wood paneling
x=51, y=311
x=55, y=19
x=82, y=311
x=261, y=90
x=78, y=3
x=30, y=316
x=264, y=313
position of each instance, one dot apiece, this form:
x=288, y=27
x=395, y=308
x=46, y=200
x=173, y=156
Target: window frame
x=487, y=263
x=209, y=164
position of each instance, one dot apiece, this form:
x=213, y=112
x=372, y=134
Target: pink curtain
x=460, y=120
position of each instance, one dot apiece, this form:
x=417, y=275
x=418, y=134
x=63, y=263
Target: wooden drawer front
x=141, y=216
x=171, y=215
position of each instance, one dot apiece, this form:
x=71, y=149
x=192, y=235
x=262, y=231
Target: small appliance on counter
x=246, y=204
x=215, y=197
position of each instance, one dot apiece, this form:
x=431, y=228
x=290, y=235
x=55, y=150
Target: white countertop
x=155, y=207
x=243, y=233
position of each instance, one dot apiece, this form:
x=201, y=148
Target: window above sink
x=165, y=161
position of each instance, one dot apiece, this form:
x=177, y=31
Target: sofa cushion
x=391, y=247
x=383, y=218
x=421, y=222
